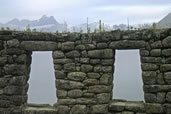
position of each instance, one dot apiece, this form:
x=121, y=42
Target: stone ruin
x=84, y=68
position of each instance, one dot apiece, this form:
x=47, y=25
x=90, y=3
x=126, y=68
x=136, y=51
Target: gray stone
x=61, y=93
x=156, y=44
x=107, y=69
x=15, y=90
x=160, y=79
x=58, y=54
x=151, y=59
x=156, y=88
x=84, y=60
x=127, y=44
x=167, y=42
x=78, y=109
x=86, y=68
x=89, y=82
x=93, y=75
x=165, y=67
x=107, y=62
x=98, y=68
x=80, y=47
x=75, y=93
x=117, y=106
x=127, y=112
x=135, y=106
x=144, y=52
x=84, y=54
x=63, y=109
x=88, y=95
x=168, y=97
x=106, y=79
x=150, y=98
x=149, y=77
x=149, y=67
x=90, y=46
x=104, y=98
x=67, y=101
x=167, y=108
x=69, y=67
x=77, y=76
x=14, y=43
x=39, y=45
x=161, y=97
x=95, y=61
x=66, y=84
x=1, y=44
x=72, y=54
x=85, y=101
x=103, y=54
x=155, y=52
x=166, y=52
x=58, y=66
x=62, y=61
x=154, y=108
x=3, y=82
x=18, y=80
x=99, y=89
x=3, y=60
x=99, y=109
x=67, y=46
x=21, y=59
x=101, y=45
x=59, y=74
x=167, y=77
x=15, y=69
x=12, y=51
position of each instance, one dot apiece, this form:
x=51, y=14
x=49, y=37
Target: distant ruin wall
x=84, y=68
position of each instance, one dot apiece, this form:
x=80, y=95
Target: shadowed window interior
x=128, y=82
x=42, y=88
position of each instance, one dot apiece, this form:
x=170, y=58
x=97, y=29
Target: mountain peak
x=165, y=22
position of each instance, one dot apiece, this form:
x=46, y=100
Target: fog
x=127, y=78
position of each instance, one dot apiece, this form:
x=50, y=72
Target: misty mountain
x=165, y=22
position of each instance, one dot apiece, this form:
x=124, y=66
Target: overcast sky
x=76, y=11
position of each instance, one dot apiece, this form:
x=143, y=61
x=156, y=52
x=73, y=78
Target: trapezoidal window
x=128, y=84
x=42, y=89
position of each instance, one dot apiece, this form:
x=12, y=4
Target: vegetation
x=28, y=28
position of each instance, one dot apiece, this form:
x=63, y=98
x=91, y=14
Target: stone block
x=167, y=77
x=127, y=44
x=68, y=85
x=86, y=68
x=168, y=97
x=144, y=52
x=116, y=106
x=88, y=101
x=106, y=79
x=18, y=81
x=89, y=82
x=156, y=44
x=107, y=69
x=150, y=98
x=63, y=61
x=149, y=77
x=67, y=46
x=67, y=101
x=154, y=108
x=3, y=61
x=99, y=89
x=61, y=93
x=15, y=90
x=149, y=67
x=77, y=76
x=101, y=45
x=39, y=45
x=78, y=109
x=165, y=67
x=69, y=67
x=14, y=43
x=101, y=54
x=60, y=74
x=90, y=46
x=155, y=52
x=75, y=93
x=167, y=42
x=161, y=97
x=107, y=61
x=15, y=69
x=151, y=59
x=166, y=52
x=21, y=59
x=62, y=109
x=84, y=60
x=99, y=109
x=135, y=106
x=95, y=61
x=72, y=54
x=58, y=54
x=80, y=47
x=104, y=98
x=93, y=75
x=127, y=112
x=168, y=60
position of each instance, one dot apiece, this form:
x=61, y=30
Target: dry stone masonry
x=84, y=68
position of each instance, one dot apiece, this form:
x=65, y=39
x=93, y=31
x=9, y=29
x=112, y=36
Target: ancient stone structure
x=84, y=67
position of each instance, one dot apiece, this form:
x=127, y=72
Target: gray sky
x=76, y=11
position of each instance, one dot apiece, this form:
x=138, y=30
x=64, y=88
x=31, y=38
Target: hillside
x=165, y=22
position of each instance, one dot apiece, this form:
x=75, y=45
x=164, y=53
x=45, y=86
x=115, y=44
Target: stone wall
x=84, y=68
